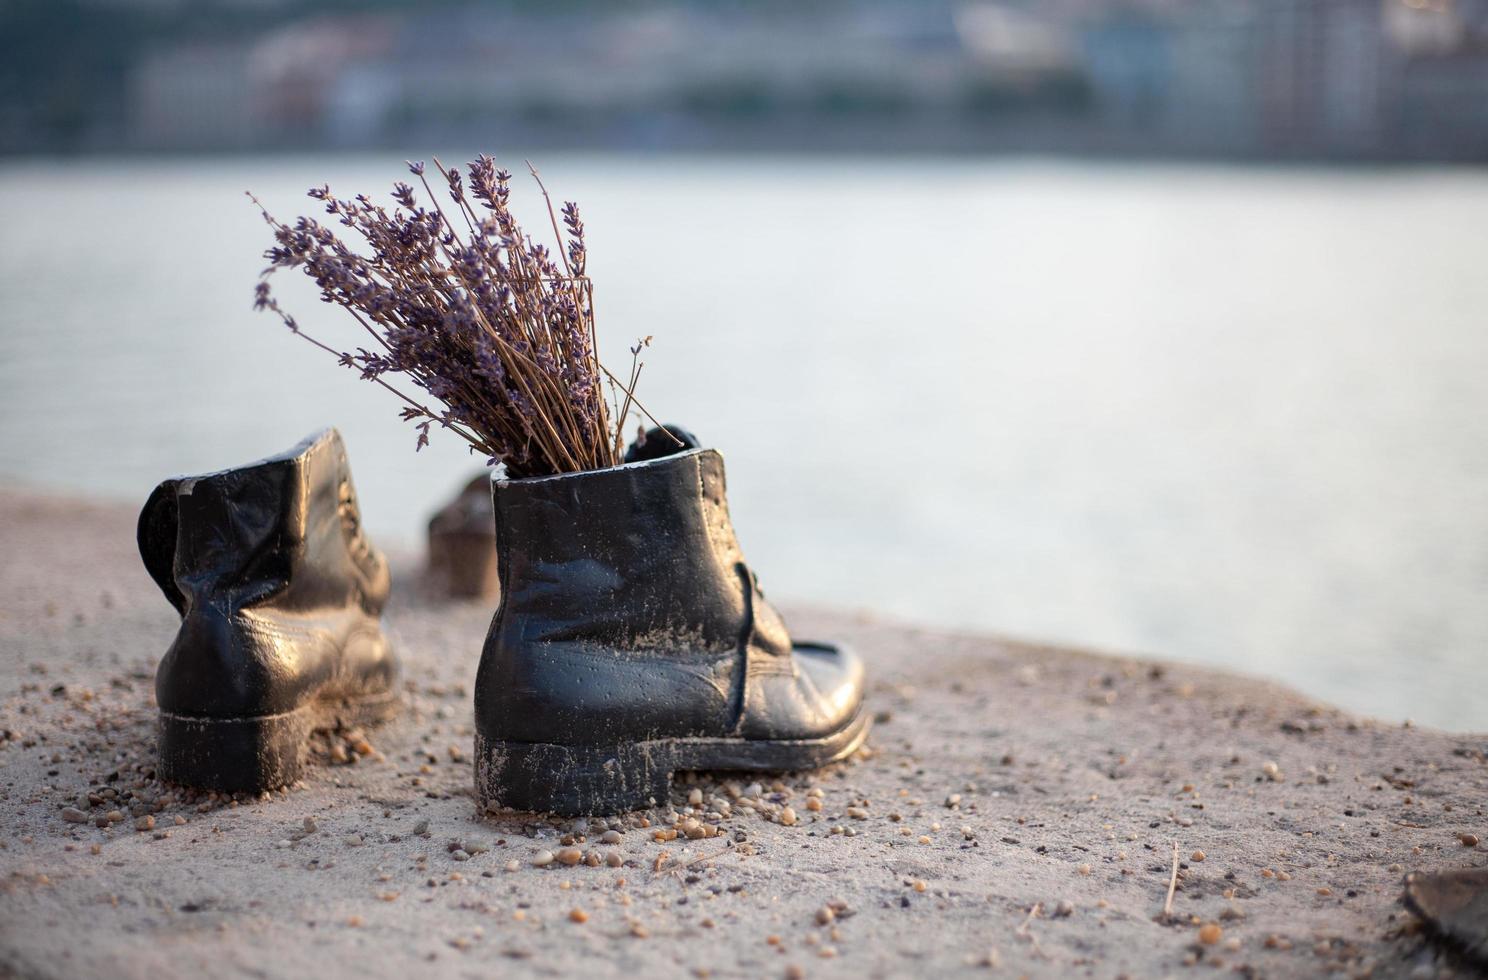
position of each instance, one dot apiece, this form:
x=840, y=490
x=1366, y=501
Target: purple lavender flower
x=470, y=310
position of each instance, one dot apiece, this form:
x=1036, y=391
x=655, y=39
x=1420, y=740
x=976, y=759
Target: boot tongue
x=661, y=442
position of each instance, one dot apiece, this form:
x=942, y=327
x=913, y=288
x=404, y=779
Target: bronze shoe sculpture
x=280, y=596
x=462, y=545
x=633, y=642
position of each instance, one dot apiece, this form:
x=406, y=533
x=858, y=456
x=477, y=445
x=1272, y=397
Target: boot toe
x=817, y=700
x=837, y=674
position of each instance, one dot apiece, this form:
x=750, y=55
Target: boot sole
x=254, y=754
x=595, y=780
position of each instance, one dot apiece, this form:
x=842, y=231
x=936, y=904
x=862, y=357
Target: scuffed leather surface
x=279, y=590
x=628, y=613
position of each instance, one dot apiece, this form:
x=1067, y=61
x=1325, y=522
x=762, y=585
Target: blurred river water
x=1214, y=414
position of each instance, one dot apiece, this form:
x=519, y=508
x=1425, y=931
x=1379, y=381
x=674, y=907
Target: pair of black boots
x=631, y=641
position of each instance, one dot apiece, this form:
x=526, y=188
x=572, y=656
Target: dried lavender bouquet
x=472, y=310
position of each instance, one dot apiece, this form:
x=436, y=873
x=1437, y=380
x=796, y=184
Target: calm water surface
x=1226, y=416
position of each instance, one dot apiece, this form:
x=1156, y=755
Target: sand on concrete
x=1015, y=814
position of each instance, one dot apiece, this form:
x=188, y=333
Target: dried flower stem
x=486, y=322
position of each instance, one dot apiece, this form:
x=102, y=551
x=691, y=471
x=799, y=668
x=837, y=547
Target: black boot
x=632, y=642
x=280, y=596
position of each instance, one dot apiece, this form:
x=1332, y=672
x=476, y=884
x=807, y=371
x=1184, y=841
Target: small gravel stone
x=788, y=817
x=825, y=915
x=1468, y=840
x=1196, y=856
x=569, y=856
x=73, y=815
x=353, y=840
x=610, y=837
x=614, y=859
x=542, y=859
x=146, y=822
x=1210, y=933
x=578, y=915
x=513, y=865
x=310, y=826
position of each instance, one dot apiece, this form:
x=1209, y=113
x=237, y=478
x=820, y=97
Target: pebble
x=814, y=804
x=825, y=915
x=614, y=859
x=569, y=856
x=1210, y=933
x=1084, y=869
x=310, y=826
x=73, y=815
x=1468, y=840
x=353, y=840
x=421, y=828
x=610, y=837
x=146, y=822
x=695, y=798
x=1196, y=856
x=542, y=859
x=513, y=865
x=788, y=817
x=578, y=915
x=114, y=816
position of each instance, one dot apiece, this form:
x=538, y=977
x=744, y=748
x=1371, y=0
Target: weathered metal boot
x=462, y=545
x=280, y=596
x=633, y=642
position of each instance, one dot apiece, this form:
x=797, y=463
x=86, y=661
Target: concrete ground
x=1016, y=813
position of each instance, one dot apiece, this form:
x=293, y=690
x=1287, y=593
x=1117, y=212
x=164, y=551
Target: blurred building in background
x=1312, y=79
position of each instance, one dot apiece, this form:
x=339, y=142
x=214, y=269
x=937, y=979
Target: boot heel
x=572, y=780
x=233, y=755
